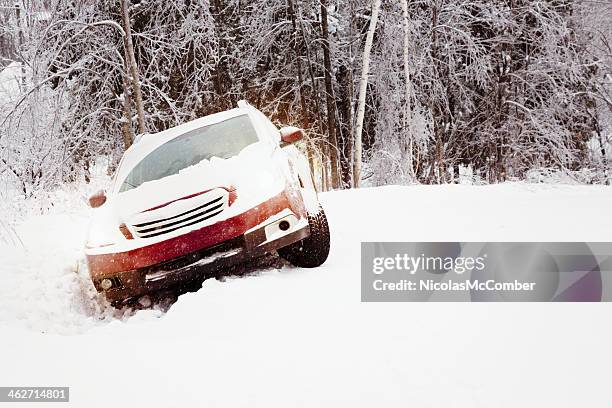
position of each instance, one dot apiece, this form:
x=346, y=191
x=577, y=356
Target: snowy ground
x=294, y=337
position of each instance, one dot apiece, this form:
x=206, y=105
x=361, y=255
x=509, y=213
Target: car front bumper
x=262, y=238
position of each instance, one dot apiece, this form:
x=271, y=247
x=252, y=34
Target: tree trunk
x=363, y=86
x=126, y=121
x=298, y=62
x=602, y=148
x=347, y=105
x=221, y=77
x=20, y=41
x=329, y=96
x=315, y=89
x=409, y=143
x=133, y=67
x=345, y=141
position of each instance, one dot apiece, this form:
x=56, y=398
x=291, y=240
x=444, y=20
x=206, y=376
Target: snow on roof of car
x=146, y=143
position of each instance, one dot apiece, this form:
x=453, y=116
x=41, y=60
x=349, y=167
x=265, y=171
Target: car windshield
x=224, y=140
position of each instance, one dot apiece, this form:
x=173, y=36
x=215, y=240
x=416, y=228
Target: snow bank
x=296, y=337
x=46, y=286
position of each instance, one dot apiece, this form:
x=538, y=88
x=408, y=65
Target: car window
x=223, y=140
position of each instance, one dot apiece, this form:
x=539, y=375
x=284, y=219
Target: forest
x=388, y=91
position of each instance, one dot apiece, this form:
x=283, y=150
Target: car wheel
x=312, y=251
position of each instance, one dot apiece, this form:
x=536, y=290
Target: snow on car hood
x=252, y=172
x=256, y=173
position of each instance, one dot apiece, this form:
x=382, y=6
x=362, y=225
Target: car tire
x=312, y=251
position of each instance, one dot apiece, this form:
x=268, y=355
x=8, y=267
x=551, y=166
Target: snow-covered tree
x=499, y=86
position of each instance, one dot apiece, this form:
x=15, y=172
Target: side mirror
x=290, y=135
x=97, y=199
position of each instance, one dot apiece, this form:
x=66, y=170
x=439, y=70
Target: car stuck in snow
x=212, y=193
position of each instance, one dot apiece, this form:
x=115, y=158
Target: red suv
x=200, y=197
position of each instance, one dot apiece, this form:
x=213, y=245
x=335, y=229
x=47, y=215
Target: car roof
x=146, y=143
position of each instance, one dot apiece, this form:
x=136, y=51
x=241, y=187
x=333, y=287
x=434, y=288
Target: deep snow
x=295, y=337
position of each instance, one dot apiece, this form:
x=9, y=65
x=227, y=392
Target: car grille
x=212, y=207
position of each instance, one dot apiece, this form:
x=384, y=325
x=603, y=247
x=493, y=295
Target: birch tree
x=363, y=86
